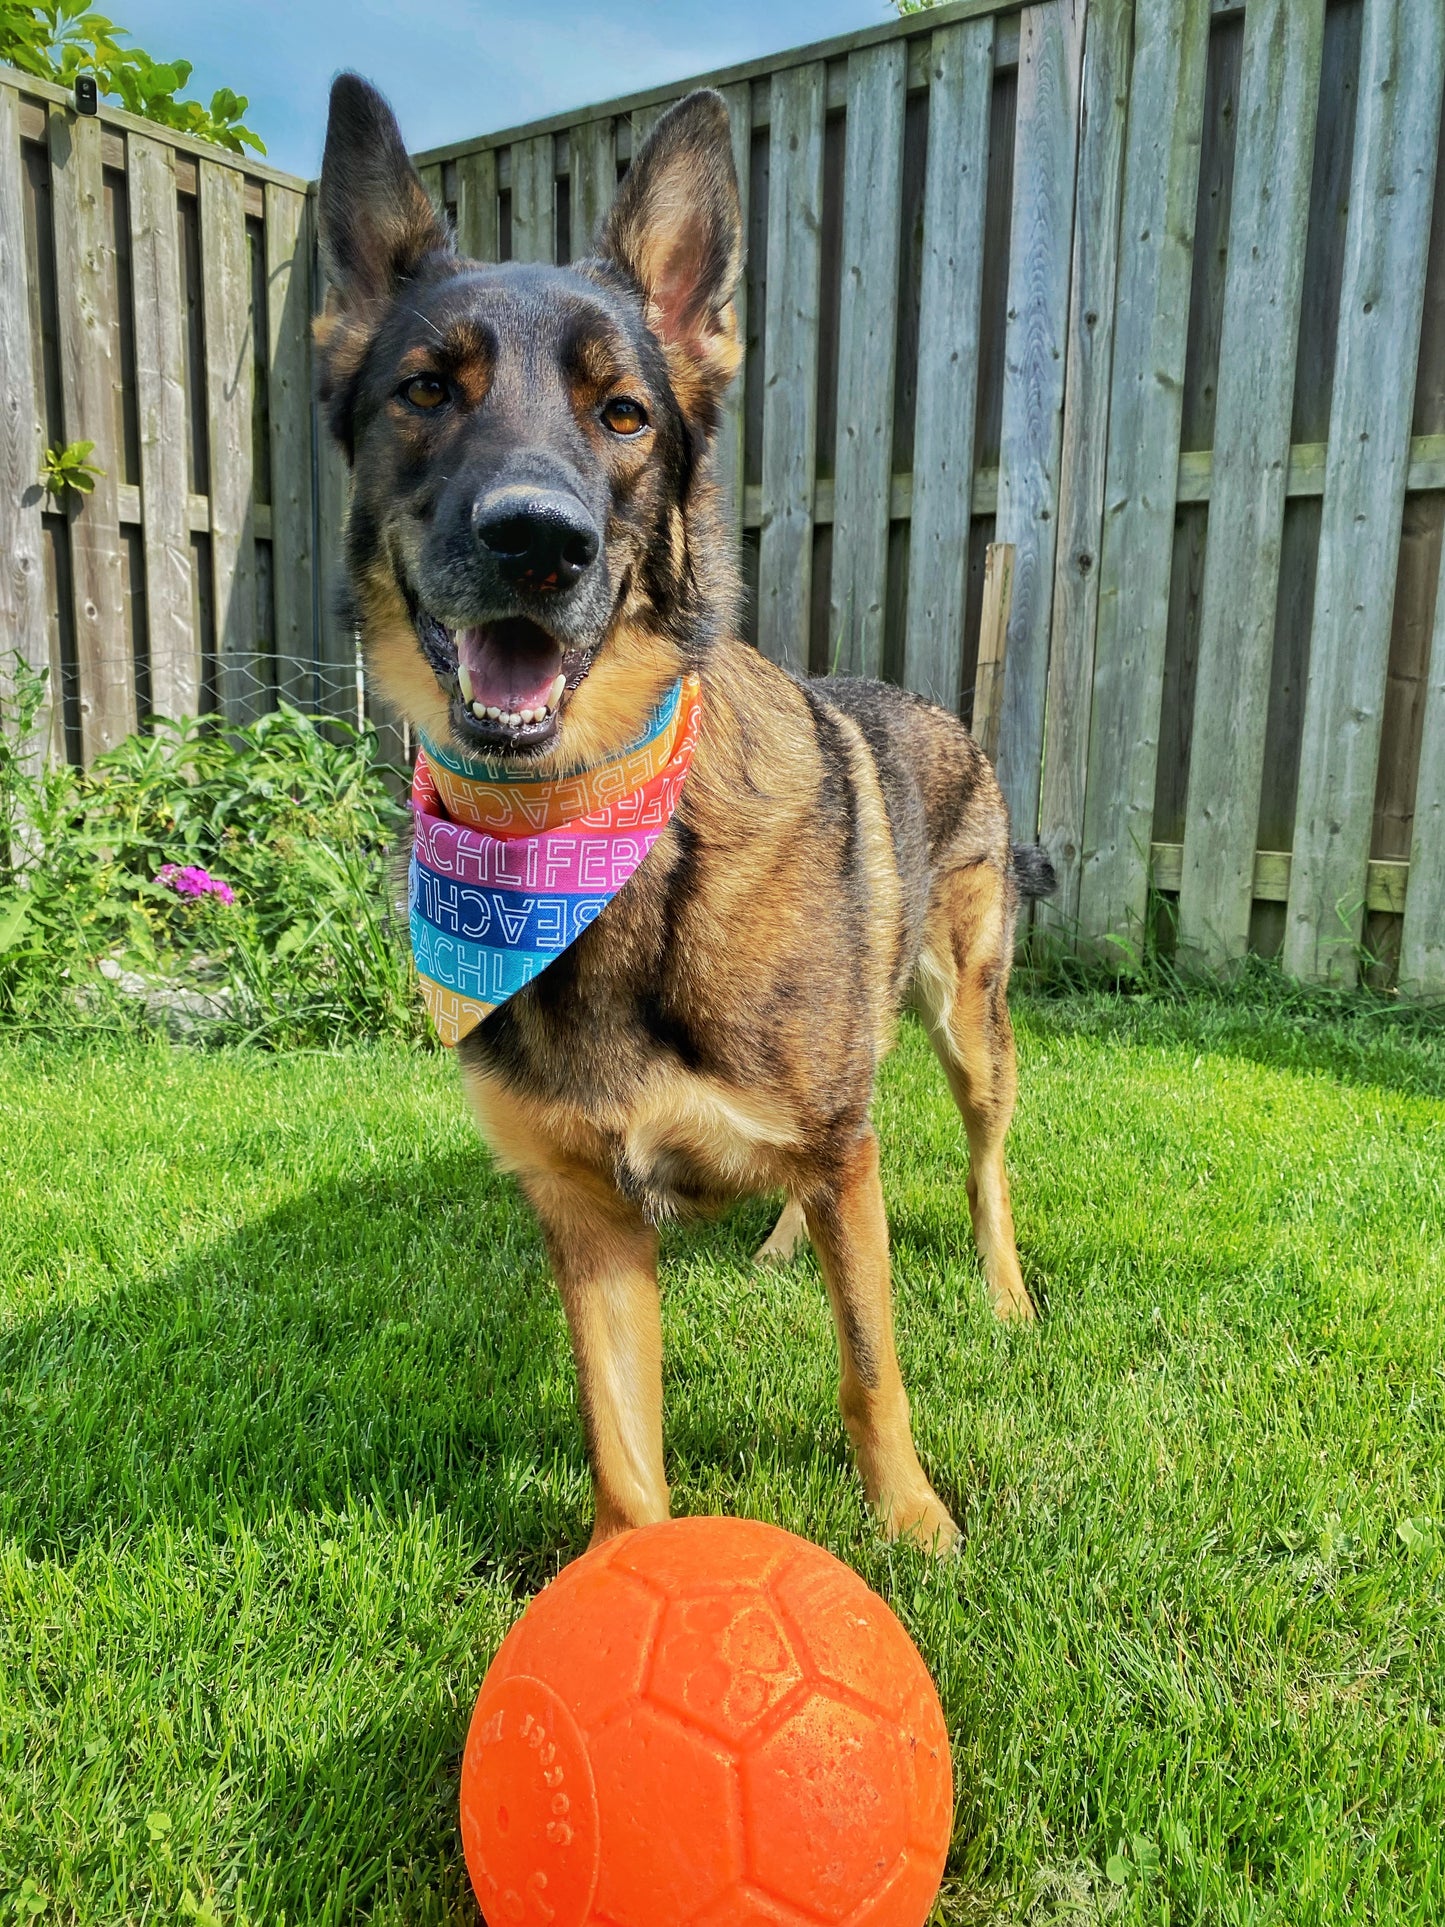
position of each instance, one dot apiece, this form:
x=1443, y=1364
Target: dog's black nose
x=539, y=539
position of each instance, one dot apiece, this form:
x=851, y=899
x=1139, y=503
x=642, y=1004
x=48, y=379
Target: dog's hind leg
x=962, y=990
x=787, y=1237
x=604, y=1258
x=849, y=1229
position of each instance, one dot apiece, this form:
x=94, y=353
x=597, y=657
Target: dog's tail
x=1034, y=871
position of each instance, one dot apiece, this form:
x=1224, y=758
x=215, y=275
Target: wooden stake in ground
x=998, y=593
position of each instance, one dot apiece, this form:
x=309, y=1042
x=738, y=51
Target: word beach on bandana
x=507, y=871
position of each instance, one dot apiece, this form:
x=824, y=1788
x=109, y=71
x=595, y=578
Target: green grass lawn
x=287, y=1436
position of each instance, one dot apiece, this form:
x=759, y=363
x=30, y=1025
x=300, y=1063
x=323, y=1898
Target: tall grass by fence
x=1153, y=290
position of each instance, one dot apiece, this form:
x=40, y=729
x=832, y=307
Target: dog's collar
x=507, y=871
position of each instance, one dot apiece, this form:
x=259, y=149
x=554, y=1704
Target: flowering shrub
x=190, y=880
x=251, y=867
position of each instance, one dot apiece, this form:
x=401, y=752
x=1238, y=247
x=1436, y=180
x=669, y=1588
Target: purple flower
x=190, y=880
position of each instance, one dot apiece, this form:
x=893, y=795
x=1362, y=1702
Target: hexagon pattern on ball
x=707, y=1723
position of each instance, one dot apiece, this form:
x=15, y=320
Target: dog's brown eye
x=625, y=416
x=424, y=391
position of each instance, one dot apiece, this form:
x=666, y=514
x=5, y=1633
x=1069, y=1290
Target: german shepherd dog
x=530, y=451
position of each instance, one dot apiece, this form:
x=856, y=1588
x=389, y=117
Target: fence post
x=230, y=385
x=867, y=344
x=1161, y=179
x=954, y=203
x=160, y=359
x=1381, y=303
x=24, y=626
x=1051, y=52
x=790, y=420
x=1088, y=368
x=84, y=274
x=1274, y=154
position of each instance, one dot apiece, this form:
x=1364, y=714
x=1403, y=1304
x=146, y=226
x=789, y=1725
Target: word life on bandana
x=507, y=871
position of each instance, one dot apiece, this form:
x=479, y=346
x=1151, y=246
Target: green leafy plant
x=232, y=883
x=58, y=39
x=67, y=468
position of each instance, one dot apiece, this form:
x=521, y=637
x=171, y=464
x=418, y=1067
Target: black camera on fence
x=87, y=94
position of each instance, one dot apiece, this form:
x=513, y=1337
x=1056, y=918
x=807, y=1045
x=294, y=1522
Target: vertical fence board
x=593, y=181
x=477, y=227
x=160, y=351
x=954, y=203
x=729, y=443
x=1422, y=943
x=790, y=408
x=1103, y=112
x=1161, y=178
x=288, y=313
x=225, y=282
x=431, y=180
x=1051, y=51
x=24, y=625
x=104, y=666
x=1274, y=152
x=534, y=200
x=1381, y=305
x=867, y=344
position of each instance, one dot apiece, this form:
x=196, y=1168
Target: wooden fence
x=155, y=299
x=1153, y=290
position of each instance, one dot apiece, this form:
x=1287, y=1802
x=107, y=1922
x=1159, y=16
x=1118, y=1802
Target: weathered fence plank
x=288, y=315
x=1381, y=302
x=534, y=200
x=1283, y=41
x=160, y=351
x=955, y=198
x=1422, y=941
x=1051, y=53
x=1161, y=177
x=477, y=226
x=790, y=409
x=729, y=446
x=431, y=180
x=104, y=661
x=23, y=623
x=226, y=284
x=593, y=181
x=1103, y=110
x=867, y=342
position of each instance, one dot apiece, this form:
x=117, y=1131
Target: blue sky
x=458, y=67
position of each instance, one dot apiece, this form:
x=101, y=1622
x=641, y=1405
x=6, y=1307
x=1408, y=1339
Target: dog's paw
x=786, y=1239
x=926, y=1522
x=1012, y=1304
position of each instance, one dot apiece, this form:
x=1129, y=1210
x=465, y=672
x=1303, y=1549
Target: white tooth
x=478, y=711
x=554, y=694
x=493, y=712
x=464, y=677
x=529, y=715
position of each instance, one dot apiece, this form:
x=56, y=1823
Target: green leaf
x=1117, y=1869
x=14, y=916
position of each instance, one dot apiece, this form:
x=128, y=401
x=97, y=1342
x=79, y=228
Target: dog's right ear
x=377, y=222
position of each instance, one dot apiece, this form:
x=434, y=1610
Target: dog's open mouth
x=507, y=679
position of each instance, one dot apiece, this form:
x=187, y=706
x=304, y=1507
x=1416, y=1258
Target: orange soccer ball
x=707, y=1723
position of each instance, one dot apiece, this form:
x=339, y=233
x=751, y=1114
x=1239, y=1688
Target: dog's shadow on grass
x=392, y=1336
x=396, y=1336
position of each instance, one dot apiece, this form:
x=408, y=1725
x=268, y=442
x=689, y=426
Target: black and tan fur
x=840, y=848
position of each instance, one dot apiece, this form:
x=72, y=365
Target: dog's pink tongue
x=512, y=665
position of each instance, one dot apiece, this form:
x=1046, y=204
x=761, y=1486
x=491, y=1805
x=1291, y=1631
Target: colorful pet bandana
x=507, y=871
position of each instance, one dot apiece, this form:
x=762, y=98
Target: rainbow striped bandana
x=507, y=871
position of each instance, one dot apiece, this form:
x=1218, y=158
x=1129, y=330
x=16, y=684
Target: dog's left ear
x=676, y=229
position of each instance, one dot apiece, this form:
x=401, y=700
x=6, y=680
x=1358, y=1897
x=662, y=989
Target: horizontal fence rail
x=1151, y=290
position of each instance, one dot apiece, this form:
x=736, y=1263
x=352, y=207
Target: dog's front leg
x=604, y=1258
x=849, y=1228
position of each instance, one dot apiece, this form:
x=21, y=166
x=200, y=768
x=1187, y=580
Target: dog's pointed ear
x=676, y=230
x=377, y=222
